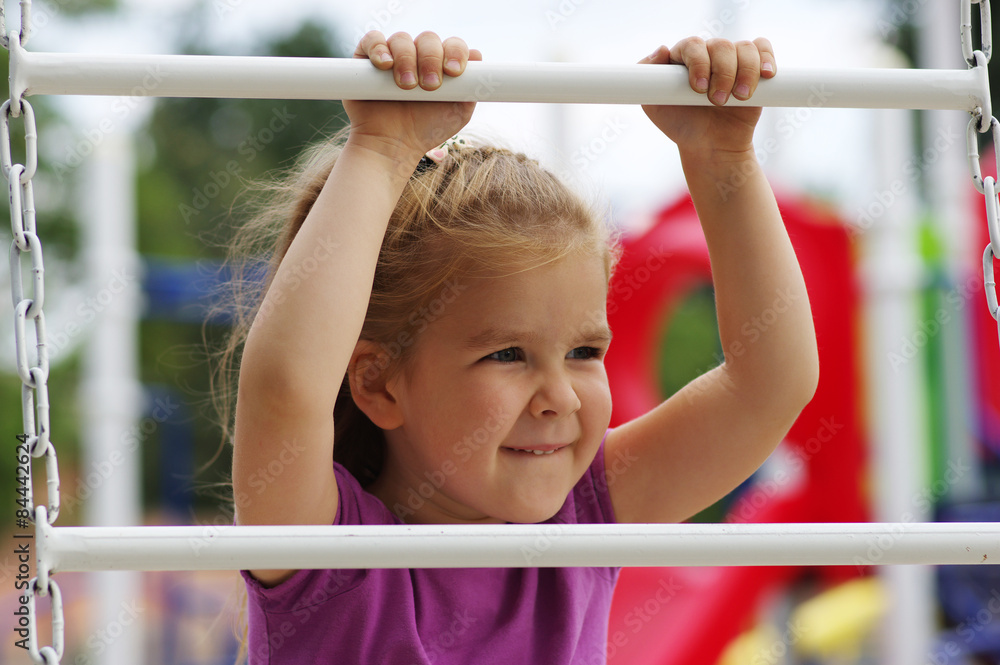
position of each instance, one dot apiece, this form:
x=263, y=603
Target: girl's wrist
x=384, y=148
x=718, y=160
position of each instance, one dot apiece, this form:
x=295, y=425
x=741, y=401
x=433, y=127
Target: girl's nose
x=555, y=396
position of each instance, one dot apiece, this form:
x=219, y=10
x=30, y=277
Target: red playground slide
x=687, y=616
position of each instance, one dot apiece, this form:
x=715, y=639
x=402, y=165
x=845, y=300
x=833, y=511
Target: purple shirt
x=446, y=616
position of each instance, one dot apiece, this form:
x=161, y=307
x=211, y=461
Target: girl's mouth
x=540, y=450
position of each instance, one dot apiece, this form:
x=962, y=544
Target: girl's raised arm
x=714, y=433
x=299, y=346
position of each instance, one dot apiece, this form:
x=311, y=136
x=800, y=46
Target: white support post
x=893, y=276
x=110, y=394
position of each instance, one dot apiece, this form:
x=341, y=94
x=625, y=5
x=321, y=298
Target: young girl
x=430, y=349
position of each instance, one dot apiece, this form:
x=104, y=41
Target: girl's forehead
x=569, y=293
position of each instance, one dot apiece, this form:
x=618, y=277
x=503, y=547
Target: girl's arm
x=301, y=342
x=715, y=432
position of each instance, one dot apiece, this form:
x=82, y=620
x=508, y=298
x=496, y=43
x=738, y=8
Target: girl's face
x=505, y=400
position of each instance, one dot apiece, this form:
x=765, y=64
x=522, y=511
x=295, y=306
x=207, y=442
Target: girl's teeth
x=537, y=452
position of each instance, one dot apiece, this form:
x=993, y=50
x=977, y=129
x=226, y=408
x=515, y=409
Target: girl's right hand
x=406, y=130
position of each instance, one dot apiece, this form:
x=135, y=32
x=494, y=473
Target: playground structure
x=822, y=478
x=62, y=549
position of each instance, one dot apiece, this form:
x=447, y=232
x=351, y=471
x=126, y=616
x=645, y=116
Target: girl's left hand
x=720, y=69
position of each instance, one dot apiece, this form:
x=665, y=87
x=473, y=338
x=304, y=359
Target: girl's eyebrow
x=494, y=336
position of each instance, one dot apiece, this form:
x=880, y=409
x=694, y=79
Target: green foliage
x=691, y=344
x=205, y=150
x=82, y=7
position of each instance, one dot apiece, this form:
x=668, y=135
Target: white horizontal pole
x=35, y=73
x=514, y=546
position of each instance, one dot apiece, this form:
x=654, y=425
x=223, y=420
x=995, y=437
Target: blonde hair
x=481, y=211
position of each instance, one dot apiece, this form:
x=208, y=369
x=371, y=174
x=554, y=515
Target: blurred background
x=136, y=198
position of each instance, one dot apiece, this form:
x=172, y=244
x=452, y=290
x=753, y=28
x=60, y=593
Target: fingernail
x=767, y=67
x=381, y=57
x=453, y=65
x=408, y=78
x=701, y=85
x=431, y=79
x=719, y=97
x=742, y=90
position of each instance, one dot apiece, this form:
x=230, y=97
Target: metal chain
x=25, y=31
x=985, y=31
x=48, y=655
x=979, y=124
x=26, y=256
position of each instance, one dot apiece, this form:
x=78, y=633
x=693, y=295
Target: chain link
x=30, y=139
x=49, y=655
x=25, y=31
x=985, y=31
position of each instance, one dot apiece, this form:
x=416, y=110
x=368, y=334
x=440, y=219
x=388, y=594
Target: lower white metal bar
x=35, y=73
x=515, y=546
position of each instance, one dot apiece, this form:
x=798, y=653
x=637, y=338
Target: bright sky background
x=823, y=151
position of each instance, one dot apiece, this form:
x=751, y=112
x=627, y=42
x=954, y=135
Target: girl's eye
x=513, y=354
x=584, y=353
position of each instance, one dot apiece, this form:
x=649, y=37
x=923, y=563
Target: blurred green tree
x=200, y=155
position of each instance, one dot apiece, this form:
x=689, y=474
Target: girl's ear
x=368, y=378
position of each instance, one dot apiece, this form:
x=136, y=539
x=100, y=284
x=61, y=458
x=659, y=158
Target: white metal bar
x=515, y=546
x=35, y=73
